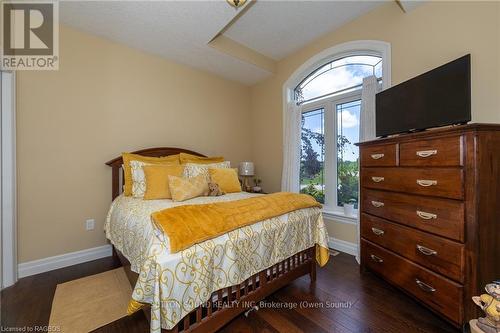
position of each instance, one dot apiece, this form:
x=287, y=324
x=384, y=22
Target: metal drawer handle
x=427, y=153
x=377, y=156
x=376, y=259
x=378, y=232
x=377, y=204
x=426, y=182
x=426, y=250
x=426, y=216
x=424, y=286
x=378, y=179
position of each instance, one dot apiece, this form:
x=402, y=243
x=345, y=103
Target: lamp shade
x=246, y=169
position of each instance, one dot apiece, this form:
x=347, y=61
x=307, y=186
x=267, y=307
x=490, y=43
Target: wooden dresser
x=430, y=214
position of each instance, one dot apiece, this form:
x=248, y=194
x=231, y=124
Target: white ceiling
x=278, y=28
x=181, y=30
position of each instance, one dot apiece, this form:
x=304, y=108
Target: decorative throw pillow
x=157, y=180
x=187, y=188
x=189, y=158
x=192, y=169
x=138, y=177
x=127, y=172
x=226, y=178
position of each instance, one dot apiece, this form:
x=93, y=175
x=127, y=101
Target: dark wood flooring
x=370, y=304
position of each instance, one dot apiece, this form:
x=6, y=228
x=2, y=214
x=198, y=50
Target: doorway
x=8, y=230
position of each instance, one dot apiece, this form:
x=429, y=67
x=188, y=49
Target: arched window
x=325, y=94
x=338, y=76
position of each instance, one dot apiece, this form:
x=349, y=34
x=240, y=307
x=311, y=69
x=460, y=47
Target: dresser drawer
x=380, y=155
x=438, y=254
x=433, y=152
x=439, y=216
x=440, y=182
x=439, y=293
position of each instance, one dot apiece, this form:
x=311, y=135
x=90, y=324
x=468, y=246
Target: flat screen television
x=439, y=97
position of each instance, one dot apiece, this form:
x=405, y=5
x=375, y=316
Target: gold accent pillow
x=127, y=172
x=188, y=158
x=138, y=177
x=157, y=180
x=227, y=179
x=187, y=188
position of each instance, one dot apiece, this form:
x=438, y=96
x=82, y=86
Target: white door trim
x=8, y=179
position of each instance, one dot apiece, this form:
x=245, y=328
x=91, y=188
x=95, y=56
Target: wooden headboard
x=116, y=163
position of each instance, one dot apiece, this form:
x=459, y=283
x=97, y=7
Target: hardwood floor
x=29, y=301
x=364, y=303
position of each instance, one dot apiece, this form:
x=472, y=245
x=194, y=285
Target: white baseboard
x=63, y=260
x=343, y=246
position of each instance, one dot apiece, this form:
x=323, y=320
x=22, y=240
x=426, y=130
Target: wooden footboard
x=225, y=304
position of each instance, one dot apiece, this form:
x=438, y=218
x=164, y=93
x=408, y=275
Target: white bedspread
x=175, y=284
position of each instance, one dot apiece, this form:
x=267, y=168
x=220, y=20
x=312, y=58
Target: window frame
x=290, y=177
x=329, y=105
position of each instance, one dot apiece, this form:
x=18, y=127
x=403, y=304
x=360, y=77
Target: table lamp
x=246, y=171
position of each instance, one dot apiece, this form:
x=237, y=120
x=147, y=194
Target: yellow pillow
x=226, y=178
x=188, y=158
x=187, y=188
x=157, y=180
x=127, y=171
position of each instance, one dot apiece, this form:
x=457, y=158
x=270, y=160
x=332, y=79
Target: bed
x=202, y=288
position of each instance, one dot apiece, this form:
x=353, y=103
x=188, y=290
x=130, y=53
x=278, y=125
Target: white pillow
x=193, y=169
x=138, y=179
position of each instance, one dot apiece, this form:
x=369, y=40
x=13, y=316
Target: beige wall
x=428, y=36
x=105, y=99
x=342, y=230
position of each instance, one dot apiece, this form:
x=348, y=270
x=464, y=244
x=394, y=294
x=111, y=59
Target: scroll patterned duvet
x=176, y=283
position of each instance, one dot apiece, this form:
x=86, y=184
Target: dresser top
x=439, y=131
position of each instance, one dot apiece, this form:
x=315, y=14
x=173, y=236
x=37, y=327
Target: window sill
x=339, y=216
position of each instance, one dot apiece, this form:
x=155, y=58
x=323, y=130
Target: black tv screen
x=437, y=98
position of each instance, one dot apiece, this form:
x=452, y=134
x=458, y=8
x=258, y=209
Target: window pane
x=338, y=76
x=378, y=69
x=336, y=79
x=312, y=155
x=347, y=152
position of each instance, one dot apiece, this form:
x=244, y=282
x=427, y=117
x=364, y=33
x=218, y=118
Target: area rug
x=82, y=305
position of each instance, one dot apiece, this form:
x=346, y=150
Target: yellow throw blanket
x=191, y=224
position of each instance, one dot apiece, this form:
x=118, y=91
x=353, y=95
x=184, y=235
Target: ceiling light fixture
x=236, y=3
